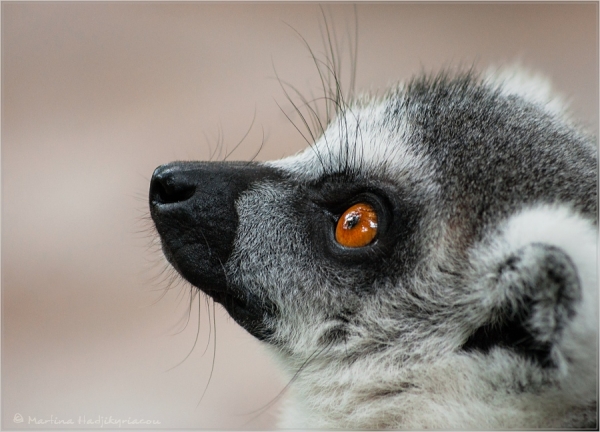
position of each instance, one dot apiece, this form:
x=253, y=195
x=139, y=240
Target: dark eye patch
x=397, y=212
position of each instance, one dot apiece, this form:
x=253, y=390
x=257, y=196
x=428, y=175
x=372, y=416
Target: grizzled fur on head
x=475, y=306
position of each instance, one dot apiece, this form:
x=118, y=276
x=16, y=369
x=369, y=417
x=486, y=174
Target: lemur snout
x=193, y=205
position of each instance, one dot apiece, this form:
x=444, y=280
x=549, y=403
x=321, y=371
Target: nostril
x=167, y=187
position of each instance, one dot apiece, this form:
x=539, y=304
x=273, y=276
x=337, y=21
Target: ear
x=543, y=288
x=539, y=291
x=537, y=280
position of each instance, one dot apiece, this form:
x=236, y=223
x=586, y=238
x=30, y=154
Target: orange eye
x=357, y=227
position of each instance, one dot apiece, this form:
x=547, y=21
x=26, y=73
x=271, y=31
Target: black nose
x=193, y=206
x=170, y=185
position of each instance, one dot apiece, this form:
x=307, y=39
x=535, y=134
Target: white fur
x=535, y=88
x=349, y=139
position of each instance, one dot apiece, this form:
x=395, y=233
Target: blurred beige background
x=96, y=95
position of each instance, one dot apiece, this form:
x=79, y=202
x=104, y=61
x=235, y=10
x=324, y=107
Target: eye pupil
x=357, y=227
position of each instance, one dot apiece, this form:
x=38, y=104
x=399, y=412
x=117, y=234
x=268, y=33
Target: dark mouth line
x=225, y=298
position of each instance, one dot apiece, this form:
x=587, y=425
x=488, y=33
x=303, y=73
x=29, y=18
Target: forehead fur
x=382, y=135
x=366, y=137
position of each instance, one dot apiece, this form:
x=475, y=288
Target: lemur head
x=429, y=262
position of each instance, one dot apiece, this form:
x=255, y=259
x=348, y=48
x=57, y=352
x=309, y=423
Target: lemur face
x=429, y=262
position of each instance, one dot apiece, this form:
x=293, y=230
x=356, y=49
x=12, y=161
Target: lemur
x=428, y=262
